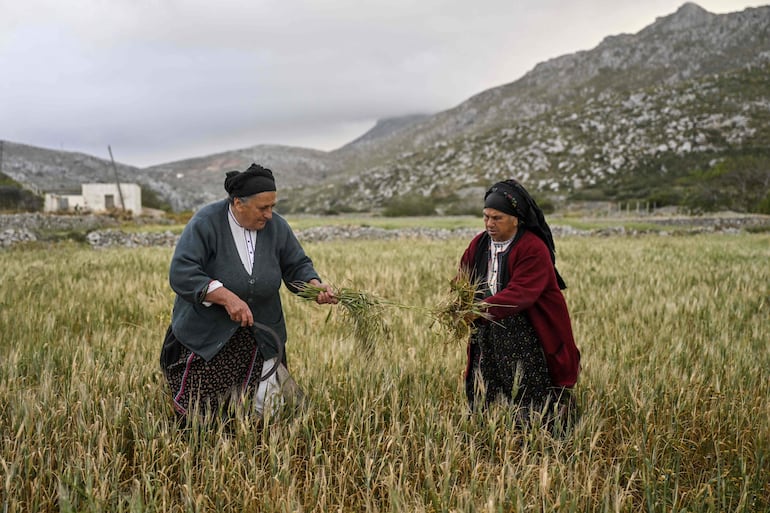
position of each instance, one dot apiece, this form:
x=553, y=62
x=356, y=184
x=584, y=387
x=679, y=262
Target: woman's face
x=256, y=211
x=500, y=226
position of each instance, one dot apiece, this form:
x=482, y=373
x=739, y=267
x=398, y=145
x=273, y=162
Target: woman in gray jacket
x=226, y=271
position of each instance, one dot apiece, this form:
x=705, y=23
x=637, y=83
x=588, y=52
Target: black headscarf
x=512, y=198
x=254, y=180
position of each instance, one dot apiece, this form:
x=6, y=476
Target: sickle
x=281, y=347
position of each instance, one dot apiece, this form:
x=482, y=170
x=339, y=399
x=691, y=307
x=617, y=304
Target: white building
x=97, y=197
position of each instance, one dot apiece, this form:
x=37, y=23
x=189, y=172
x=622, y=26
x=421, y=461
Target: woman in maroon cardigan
x=524, y=351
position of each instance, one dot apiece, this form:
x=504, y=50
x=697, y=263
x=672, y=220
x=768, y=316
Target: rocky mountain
x=382, y=131
x=662, y=115
x=44, y=170
x=612, y=147
x=688, y=91
x=190, y=183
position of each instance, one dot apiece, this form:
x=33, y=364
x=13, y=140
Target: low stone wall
x=11, y=236
x=329, y=233
x=101, y=232
x=16, y=228
x=42, y=223
x=117, y=238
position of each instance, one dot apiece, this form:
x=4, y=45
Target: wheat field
x=674, y=391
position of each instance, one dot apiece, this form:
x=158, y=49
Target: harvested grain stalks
x=456, y=313
x=362, y=310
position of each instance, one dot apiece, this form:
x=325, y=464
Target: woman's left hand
x=327, y=296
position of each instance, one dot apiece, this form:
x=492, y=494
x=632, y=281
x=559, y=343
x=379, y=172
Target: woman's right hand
x=240, y=312
x=236, y=308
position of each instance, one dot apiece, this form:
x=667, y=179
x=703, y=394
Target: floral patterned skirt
x=506, y=362
x=231, y=374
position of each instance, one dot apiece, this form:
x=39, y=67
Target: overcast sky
x=164, y=80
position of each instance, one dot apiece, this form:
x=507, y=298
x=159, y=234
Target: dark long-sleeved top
x=531, y=287
x=205, y=252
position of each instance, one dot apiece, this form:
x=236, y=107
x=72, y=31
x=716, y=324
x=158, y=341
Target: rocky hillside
x=667, y=115
x=641, y=144
x=688, y=44
x=44, y=170
x=689, y=92
x=188, y=184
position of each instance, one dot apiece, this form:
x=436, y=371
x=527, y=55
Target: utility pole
x=1, y=155
x=117, y=180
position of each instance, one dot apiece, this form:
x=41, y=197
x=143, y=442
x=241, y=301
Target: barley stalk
x=673, y=394
x=363, y=311
x=457, y=311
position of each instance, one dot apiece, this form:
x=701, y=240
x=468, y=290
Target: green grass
x=595, y=223
x=303, y=222
x=673, y=391
x=300, y=222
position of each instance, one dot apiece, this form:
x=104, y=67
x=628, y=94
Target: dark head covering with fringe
x=256, y=179
x=511, y=198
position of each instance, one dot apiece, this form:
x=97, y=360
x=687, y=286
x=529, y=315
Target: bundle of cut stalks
x=456, y=313
x=363, y=311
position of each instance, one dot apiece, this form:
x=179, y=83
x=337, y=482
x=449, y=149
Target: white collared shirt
x=245, y=240
x=493, y=266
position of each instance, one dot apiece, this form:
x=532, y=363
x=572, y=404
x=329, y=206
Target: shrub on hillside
x=410, y=205
x=151, y=199
x=15, y=199
x=740, y=183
